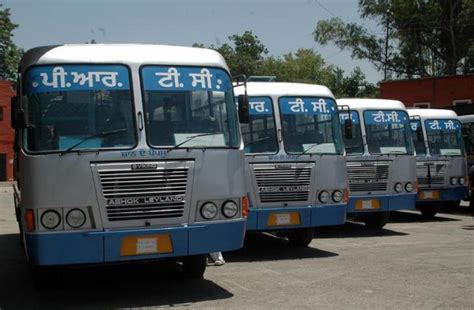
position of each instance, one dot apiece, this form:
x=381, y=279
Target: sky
x=282, y=26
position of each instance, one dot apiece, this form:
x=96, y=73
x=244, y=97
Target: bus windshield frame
x=310, y=111
x=86, y=106
x=384, y=121
x=191, y=107
x=445, y=128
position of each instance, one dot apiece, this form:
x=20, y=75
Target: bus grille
x=139, y=194
x=437, y=171
x=368, y=176
x=283, y=184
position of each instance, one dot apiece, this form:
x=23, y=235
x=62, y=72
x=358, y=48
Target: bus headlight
x=50, y=219
x=399, y=187
x=209, y=210
x=462, y=181
x=337, y=196
x=76, y=218
x=454, y=181
x=409, y=187
x=324, y=196
x=230, y=209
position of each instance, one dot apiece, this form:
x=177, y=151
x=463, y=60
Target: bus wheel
x=194, y=266
x=301, y=237
x=428, y=211
x=46, y=277
x=376, y=220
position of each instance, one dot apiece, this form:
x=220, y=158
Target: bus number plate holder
x=429, y=195
x=146, y=245
x=367, y=204
x=284, y=219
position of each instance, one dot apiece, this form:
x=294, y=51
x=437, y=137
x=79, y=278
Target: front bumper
x=309, y=216
x=386, y=203
x=442, y=194
x=74, y=248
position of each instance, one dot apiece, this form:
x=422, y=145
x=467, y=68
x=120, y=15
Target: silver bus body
x=380, y=159
x=441, y=163
x=152, y=187
x=287, y=170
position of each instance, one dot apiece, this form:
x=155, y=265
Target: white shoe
x=219, y=262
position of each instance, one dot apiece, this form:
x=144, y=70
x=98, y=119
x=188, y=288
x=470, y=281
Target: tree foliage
x=10, y=54
x=246, y=54
x=425, y=37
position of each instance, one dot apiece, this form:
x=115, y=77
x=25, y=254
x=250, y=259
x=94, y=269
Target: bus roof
x=283, y=89
x=131, y=54
x=371, y=104
x=466, y=118
x=433, y=113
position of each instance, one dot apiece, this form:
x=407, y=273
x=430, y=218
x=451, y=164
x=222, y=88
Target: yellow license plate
x=429, y=195
x=367, y=204
x=144, y=245
x=284, y=219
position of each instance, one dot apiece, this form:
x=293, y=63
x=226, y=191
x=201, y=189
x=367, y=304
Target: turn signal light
x=245, y=206
x=30, y=220
x=346, y=196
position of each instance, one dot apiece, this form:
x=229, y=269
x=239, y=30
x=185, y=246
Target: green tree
x=10, y=54
x=425, y=37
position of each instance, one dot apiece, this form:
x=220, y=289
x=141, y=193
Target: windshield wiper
x=396, y=152
x=192, y=138
x=97, y=135
x=258, y=140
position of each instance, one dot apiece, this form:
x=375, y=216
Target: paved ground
x=411, y=264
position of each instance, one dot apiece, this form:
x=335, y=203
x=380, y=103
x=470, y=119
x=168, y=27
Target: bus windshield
x=88, y=106
x=417, y=135
x=444, y=136
x=355, y=144
x=189, y=107
x=260, y=134
x=388, y=132
x=310, y=125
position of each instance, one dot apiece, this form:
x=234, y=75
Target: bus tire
x=194, y=266
x=301, y=237
x=428, y=211
x=376, y=220
x=46, y=277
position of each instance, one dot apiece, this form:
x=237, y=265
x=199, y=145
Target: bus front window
x=417, y=135
x=86, y=104
x=189, y=107
x=353, y=145
x=388, y=132
x=310, y=125
x=259, y=134
x=444, y=137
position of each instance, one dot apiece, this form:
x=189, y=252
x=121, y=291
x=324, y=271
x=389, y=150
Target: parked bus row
x=138, y=152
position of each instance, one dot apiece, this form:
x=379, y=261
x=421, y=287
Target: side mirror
x=348, y=129
x=243, y=102
x=19, y=112
x=419, y=134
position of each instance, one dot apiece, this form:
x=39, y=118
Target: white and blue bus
x=441, y=163
x=295, y=164
x=126, y=152
x=380, y=159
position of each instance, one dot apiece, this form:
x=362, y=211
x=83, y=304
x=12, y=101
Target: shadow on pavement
x=267, y=247
x=457, y=210
x=354, y=230
x=415, y=217
x=100, y=287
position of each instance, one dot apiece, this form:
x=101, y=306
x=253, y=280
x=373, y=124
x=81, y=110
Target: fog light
x=462, y=181
x=337, y=196
x=409, y=187
x=50, y=219
x=324, y=196
x=209, y=210
x=76, y=218
x=398, y=187
x=230, y=209
x=454, y=181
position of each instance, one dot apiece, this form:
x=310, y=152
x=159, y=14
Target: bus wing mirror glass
x=243, y=101
x=19, y=112
x=348, y=128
